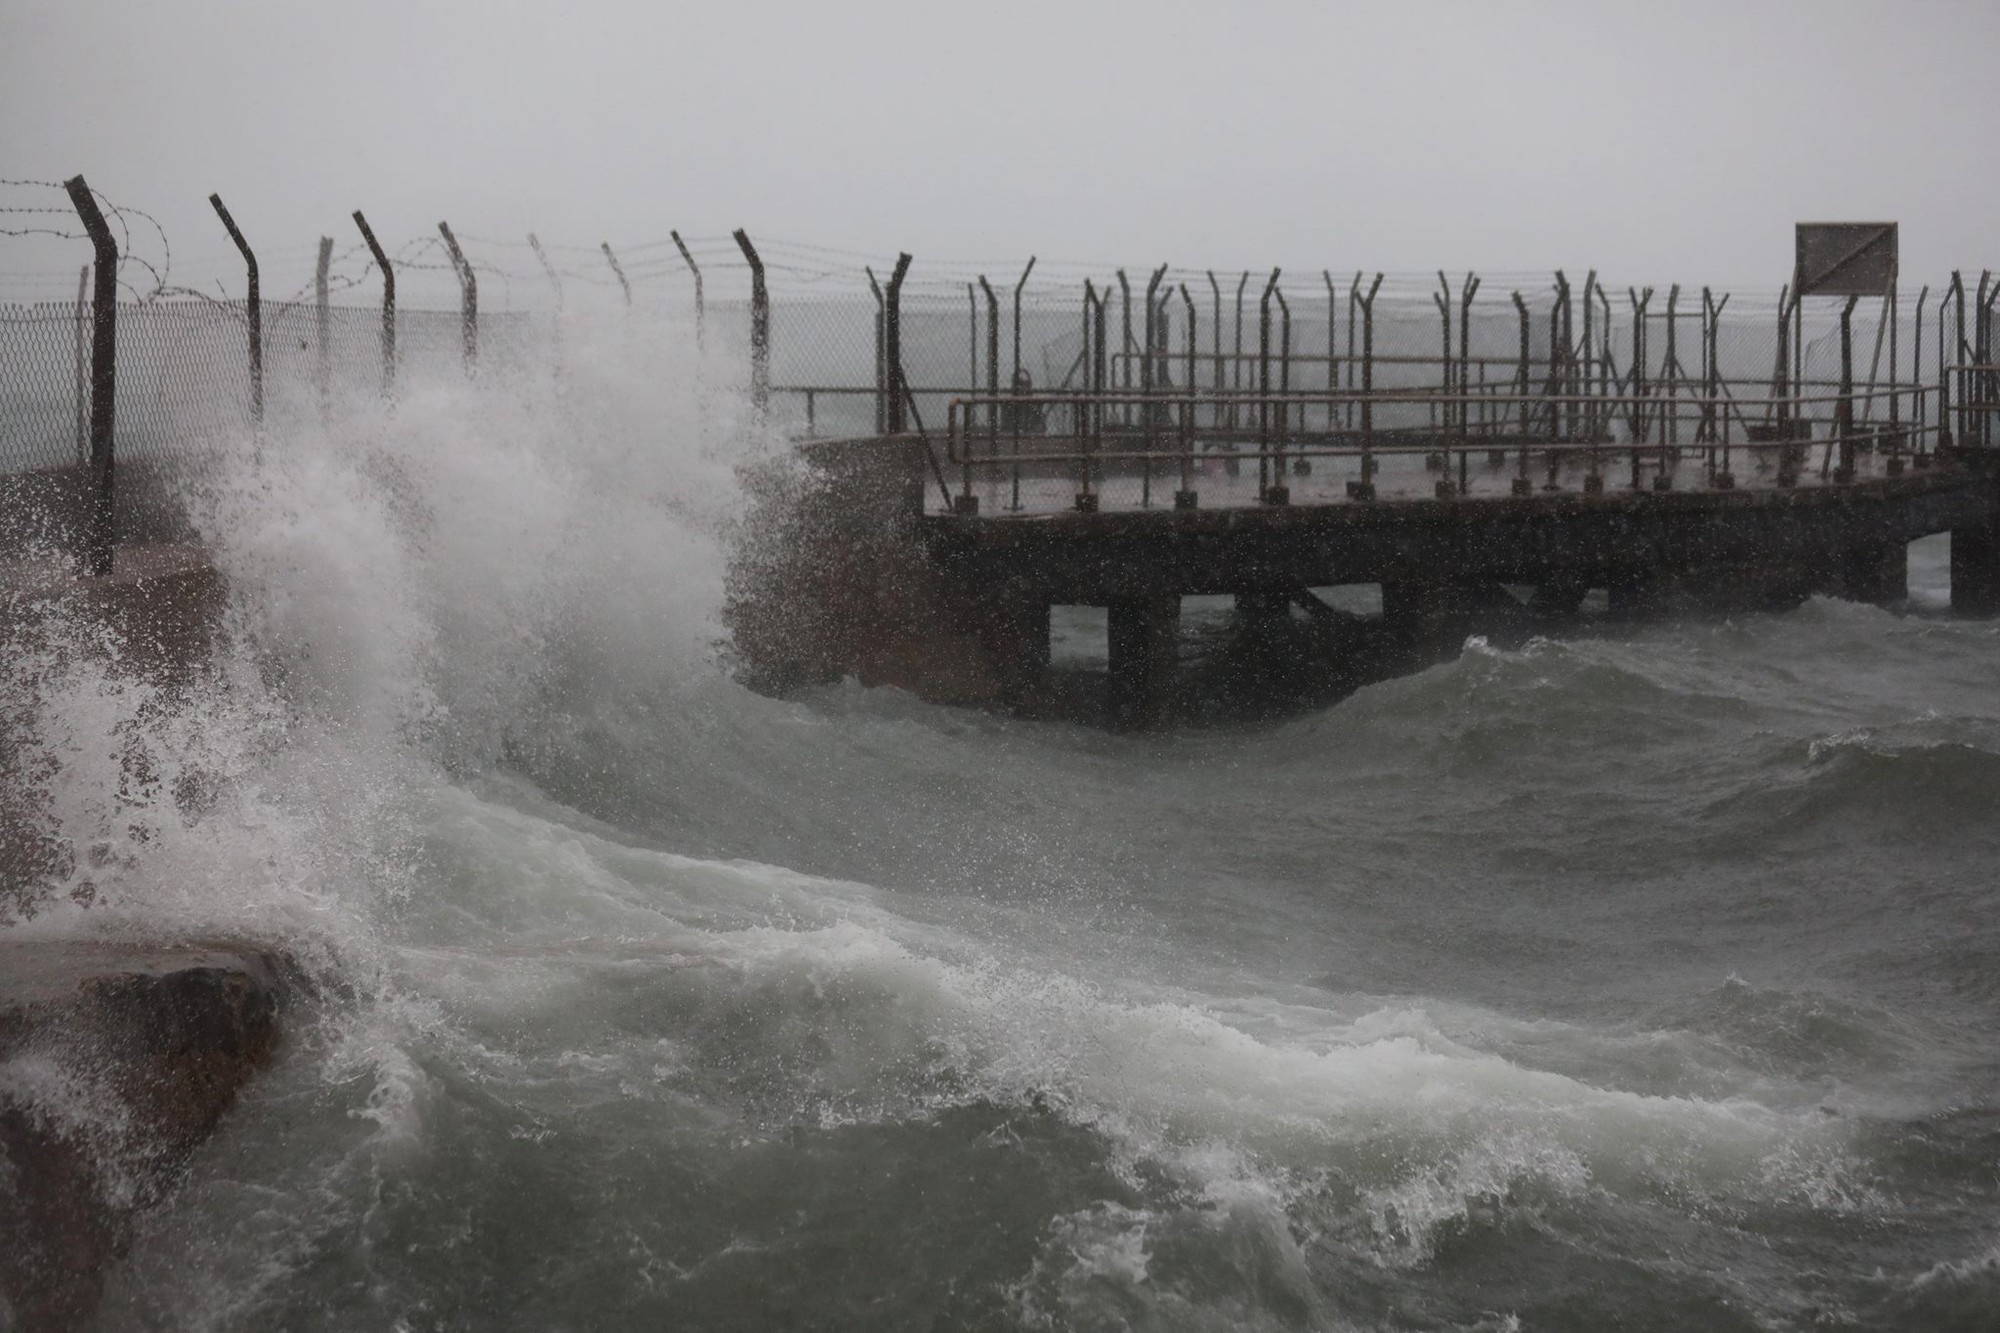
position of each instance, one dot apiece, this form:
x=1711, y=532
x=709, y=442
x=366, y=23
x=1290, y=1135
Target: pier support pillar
x=1428, y=616
x=1144, y=635
x=1635, y=592
x=1016, y=637
x=1975, y=569
x=1878, y=572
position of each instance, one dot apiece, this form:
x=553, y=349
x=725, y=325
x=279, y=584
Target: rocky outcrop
x=115, y=1063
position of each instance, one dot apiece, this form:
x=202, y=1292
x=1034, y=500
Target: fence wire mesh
x=964, y=330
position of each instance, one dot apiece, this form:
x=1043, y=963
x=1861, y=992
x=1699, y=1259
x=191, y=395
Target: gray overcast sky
x=1657, y=141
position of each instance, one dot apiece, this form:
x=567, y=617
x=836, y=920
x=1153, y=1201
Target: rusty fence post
x=1215, y=341
x=892, y=344
x=1280, y=492
x=1185, y=497
x=1569, y=380
x=1641, y=421
x=1843, y=408
x=1236, y=359
x=1023, y=282
x=555, y=283
x=548, y=269
x=617, y=271
x=992, y=356
x=1589, y=349
x=1332, y=348
x=100, y=535
x=388, y=302
x=1467, y=291
x=1122, y=375
x=1148, y=418
x=1265, y=483
x=695, y=269
x=323, y=325
x=760, y=336
x=881, y=361
x=1670, y=419
x=253, y=308
x=1521, y=373
x=1367, y=304
x=1921, y=420
x=1989, y=381
x=468, y=290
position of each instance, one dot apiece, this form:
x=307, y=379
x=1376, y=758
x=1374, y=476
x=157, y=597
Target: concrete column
x=1975, y=570
x=1144, y=641
x=1878, y=572
x=1635, y=592
x=1016, y=635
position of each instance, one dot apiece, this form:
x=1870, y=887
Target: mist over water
x=1639, y=979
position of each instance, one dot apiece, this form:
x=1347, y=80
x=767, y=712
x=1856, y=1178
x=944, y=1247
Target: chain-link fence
x=1426, y=347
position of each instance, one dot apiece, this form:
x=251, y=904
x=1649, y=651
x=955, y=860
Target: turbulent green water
x=1643, y=979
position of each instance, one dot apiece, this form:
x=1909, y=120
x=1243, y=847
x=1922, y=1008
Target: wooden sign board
x=1845, y=258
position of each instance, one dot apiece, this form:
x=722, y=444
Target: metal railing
x=1153, y=445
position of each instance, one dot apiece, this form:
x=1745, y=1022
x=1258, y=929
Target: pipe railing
x=1089, y=448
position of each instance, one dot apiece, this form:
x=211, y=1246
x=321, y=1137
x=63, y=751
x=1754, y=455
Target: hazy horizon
x=1671, y=145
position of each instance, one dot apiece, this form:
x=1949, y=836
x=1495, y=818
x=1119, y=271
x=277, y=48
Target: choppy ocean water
x=1640, y=978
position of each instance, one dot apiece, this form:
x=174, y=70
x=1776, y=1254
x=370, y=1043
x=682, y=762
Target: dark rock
x=115, y=1063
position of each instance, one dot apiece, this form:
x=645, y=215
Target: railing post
x=760, y=336
x=468, y=287
x=892, y=343
x=253, y=309
x=1843, y=412
x=688, y=259
x=388, y=302
x=100, y=536
x=617, y=271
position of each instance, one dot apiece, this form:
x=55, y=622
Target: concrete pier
x=1448, y=563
